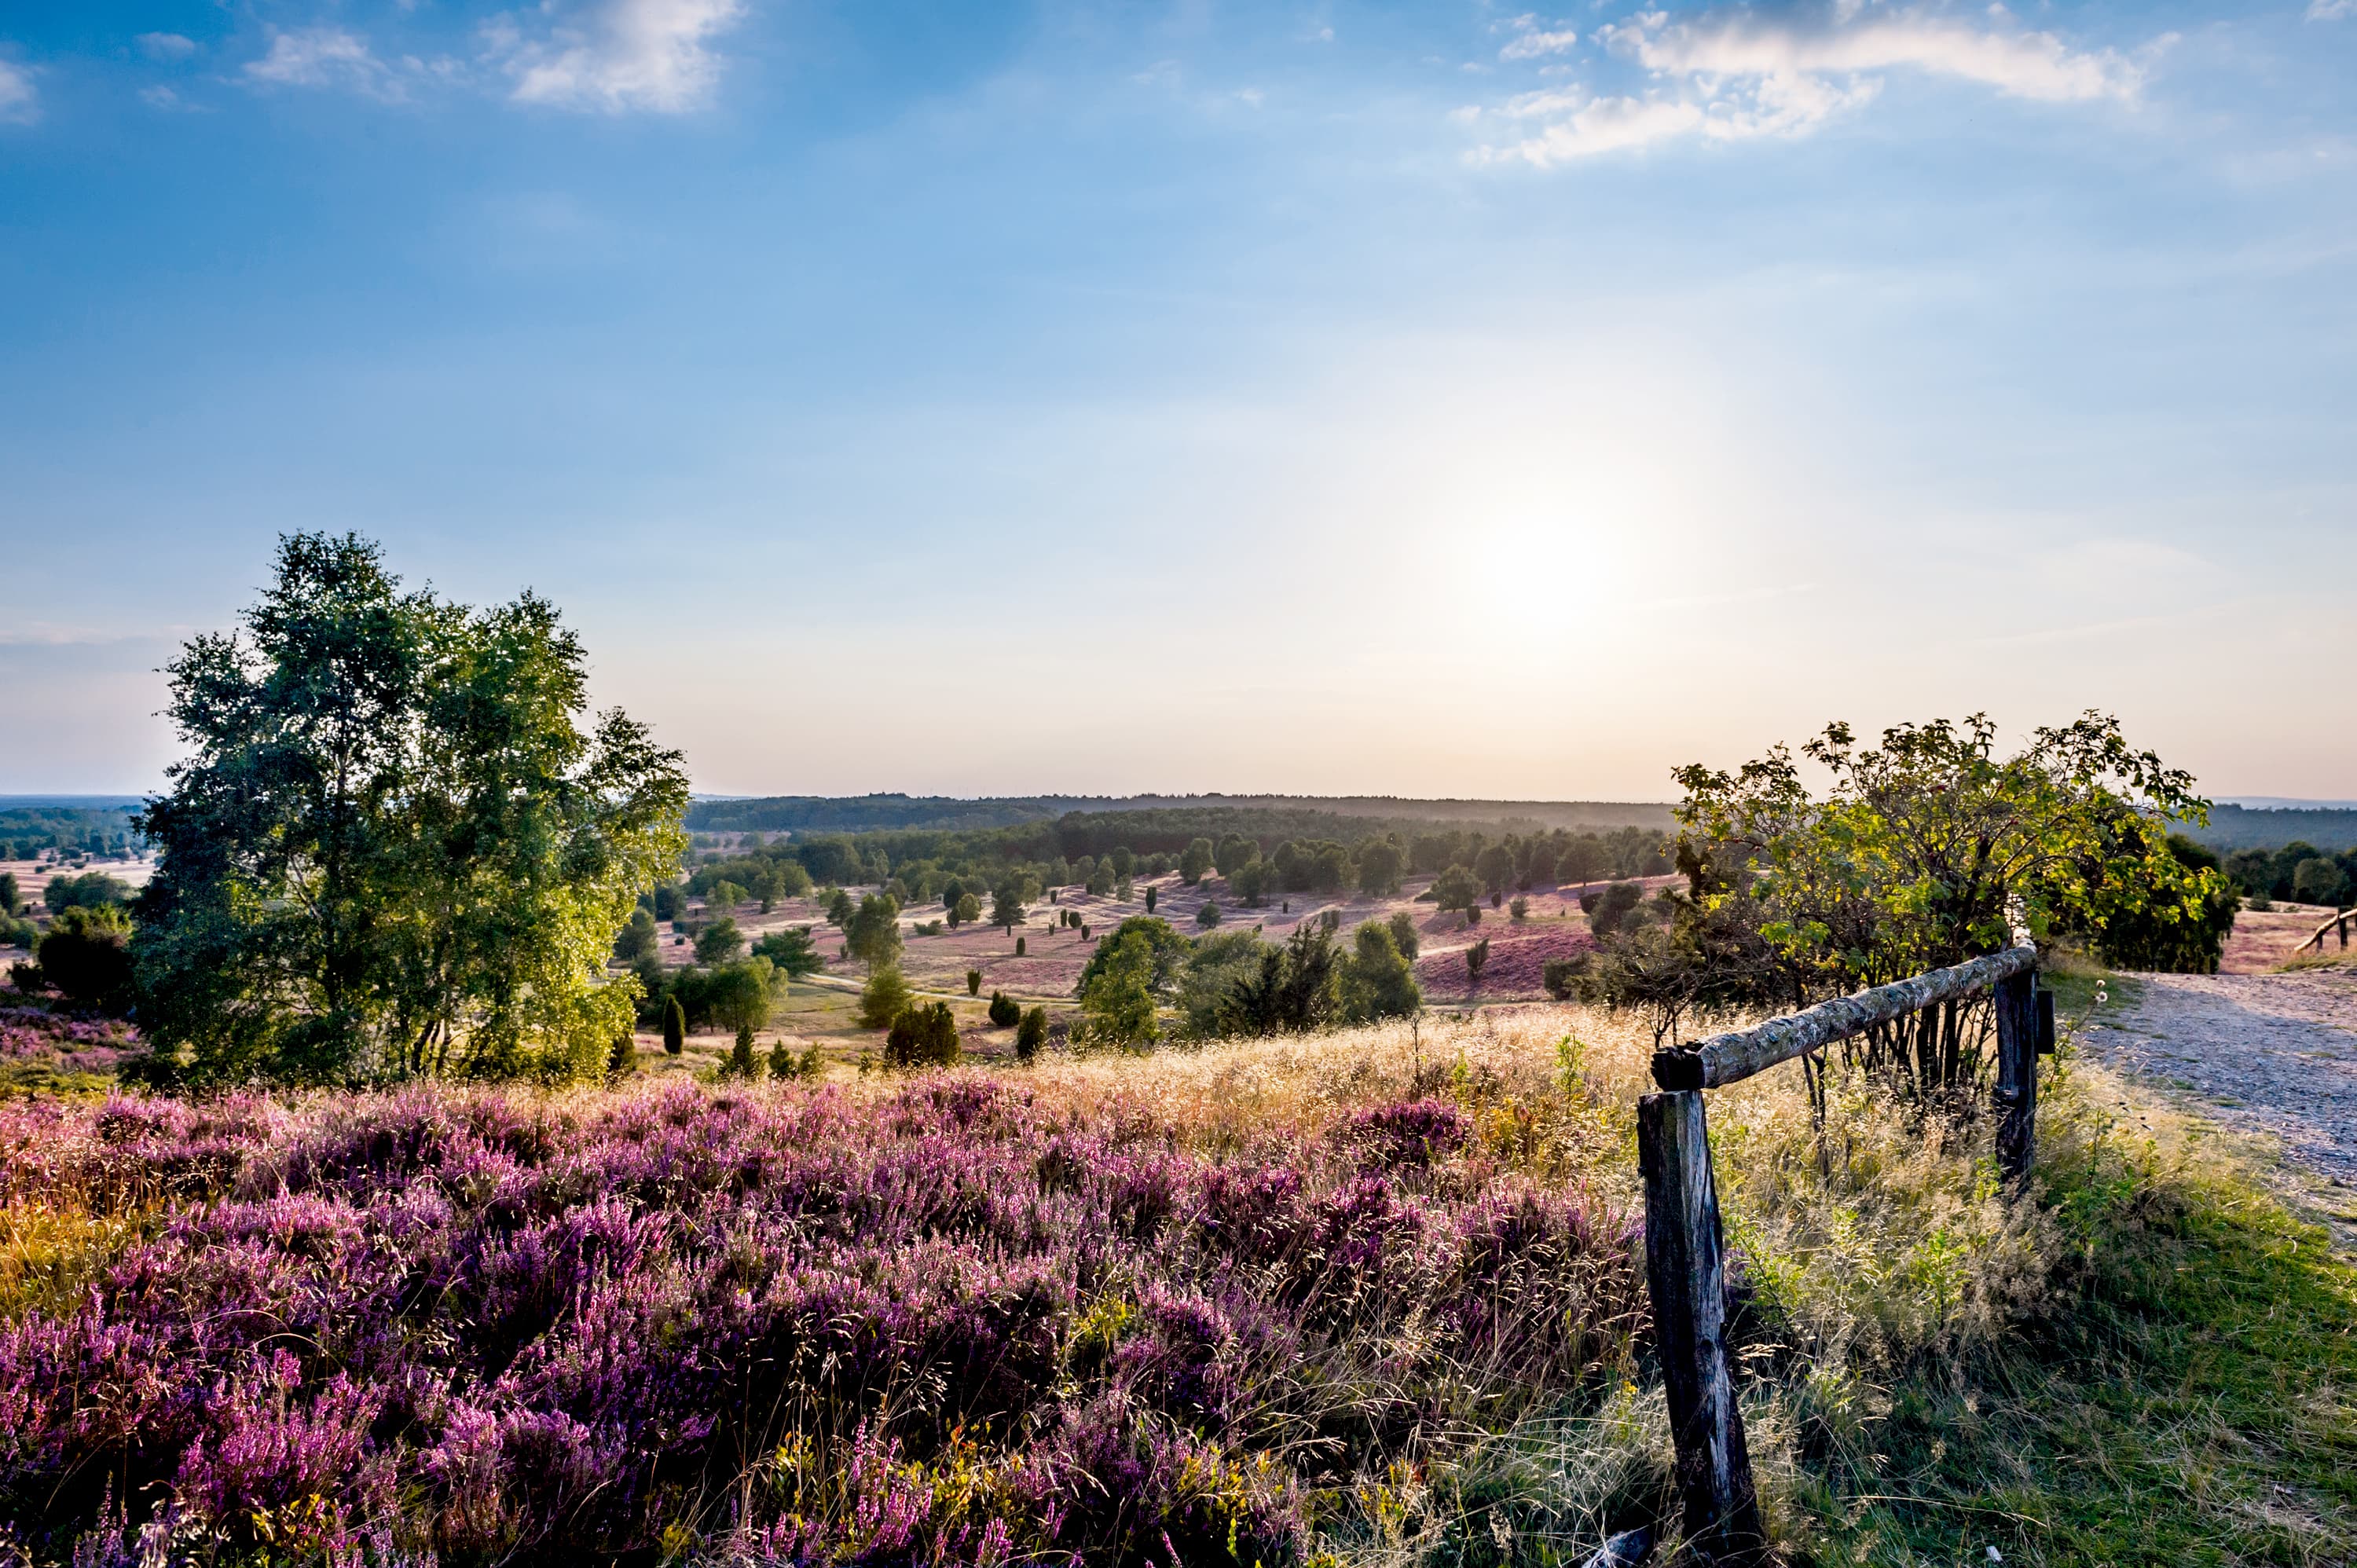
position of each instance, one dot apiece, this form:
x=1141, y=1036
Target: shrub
x=622, y=1059
x=86, y=954
x=1019, y=947
x=791, y=952
x=1150, y=892
x=922, y=1036
x=967, y=910
x=637, y=938
x=1477, y=958
x=1608, y=910
x=1030, y=1034
x=1005, y=1011
x=675, y=1026
x=740, y=1061
x=1404, y=936
x=1519, y=910
x=1560, y=976
x=1195, y=862
x=1207, y=916
x=884, y=998
x=974, y=982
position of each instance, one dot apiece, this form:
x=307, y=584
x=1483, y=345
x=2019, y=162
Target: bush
x=740, y=1061
x=967, y=910
x=791, y=952
x=86, y=954
x=884, y=998
x=1519, y=910
x=637, y=938
x=1207, y=916
x=91, y=890
x=622, y=1059
x=675, y=1026
x=922, y=1036
x=1030, y=1034
x=1560, y=976
x=1150, y=892
x=1608, y=910
x=785, y=1064
x=1019, y=947
x=1403, y=935
x=1477, y=959
x=974, y=982
x=1005, y=1011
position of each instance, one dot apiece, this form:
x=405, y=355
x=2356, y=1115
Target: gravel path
x=2270, y=1053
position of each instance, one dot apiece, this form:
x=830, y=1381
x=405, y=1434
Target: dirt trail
x=2274, y=1053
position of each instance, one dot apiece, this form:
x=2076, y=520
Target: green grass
x=2190, y=1399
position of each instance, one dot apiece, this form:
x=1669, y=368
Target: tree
x=1495, y=867
x=719, y=942
x=1456, y=888
x=1377, y=981
x=839, y=908
x=1249, y=883
x=968, y=910
x=1404, y=937
x=2137, y=937
x=921, y=1036
x=1100, y=880
x=740, y=995
x=1030, y=1034
x=974, y=982
x=637, y=939
x=1381, y=864
x=1117, y=1001
x=86, y=955
x=675, y=1026
x=1608, y=910
x=882, y=999
x=1477, y=959
x=621, y=1058
x=791, y=952
x=1207, y=916
x=740, y=1060
x=1235, y=852
x=1330, y=868
x=874, y=934
x=393, y=849
x=1293, y=991
x=2320, y=881
x=1150, y=891
x=723, y=896
x=1196, y=860
x=1005, y=1011
x=1169, y=948
x=1582, y=860
x=1520, y=909
x=11, y=900
x=89, y=891
x=1006, y=904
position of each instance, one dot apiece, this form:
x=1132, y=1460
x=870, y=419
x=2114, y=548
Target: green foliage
x=1030, y=1034
x=11, y=902
x=2321, y=881
x=1005, y=1011
x=1608, y=908
x=1150, y=891
x=1169, y=948
x=1019, y=947
x=1235, y=851
x=1519, y=910
x=2139, y=936
x=1495, y=868
x=1477, y=959
x=921, y=1036
x=621, y=1058
x=883, y=998
x=740, y=1058
x=1117, y=997
x=1381, y=866
x=638, y=938
x=1403, y=935
x=1198, y=858
x=784, y=1064
x=966, y=911
x=675, y=1026
x=1207, y=916
x=1560, y=976
x=974, y=982
x=1007, y=901
x=739, y=996
x=391, y=850
x=873, y=934
x=86, y=955
x=1290, y=992
x=1457, y=888
x=88, y=891
x=1376, y=980
x=839, y=908
x=791, y=952
x=719, y=942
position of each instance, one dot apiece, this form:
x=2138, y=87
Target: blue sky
x=1436, y=399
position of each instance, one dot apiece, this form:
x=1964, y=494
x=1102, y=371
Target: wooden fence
x=2334, y=922
x=1684, y=1251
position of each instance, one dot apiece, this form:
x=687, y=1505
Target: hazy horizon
x=1432, y=399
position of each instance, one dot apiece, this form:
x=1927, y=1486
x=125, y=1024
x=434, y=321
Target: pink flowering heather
x=949, y=1325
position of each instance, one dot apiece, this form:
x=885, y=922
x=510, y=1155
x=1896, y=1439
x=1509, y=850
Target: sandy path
x=2274, y=1053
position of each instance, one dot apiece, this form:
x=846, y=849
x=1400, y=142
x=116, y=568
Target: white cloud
x=2331, y=10
x=20, y=103
x=324, y=57
x=625, y=54
x=1539, y=44
x=1745, y=44
x=165, y=46
x=1738, y=75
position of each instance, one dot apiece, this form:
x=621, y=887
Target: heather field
x=1373, y=1297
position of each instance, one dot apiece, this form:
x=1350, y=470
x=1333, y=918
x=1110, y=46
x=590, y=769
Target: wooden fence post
x=1683, y=1268
x=2017, y=1075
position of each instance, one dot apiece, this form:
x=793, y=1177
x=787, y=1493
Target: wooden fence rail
x=2334, y=922
x=1685, y=1251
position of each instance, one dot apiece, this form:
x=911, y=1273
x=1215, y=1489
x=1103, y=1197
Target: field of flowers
x=1095, y=1312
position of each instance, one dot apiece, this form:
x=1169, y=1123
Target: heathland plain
x=1197, y=1182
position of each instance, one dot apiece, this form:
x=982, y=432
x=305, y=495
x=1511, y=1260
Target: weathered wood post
x=2015, y=1001
x=1684, y=1266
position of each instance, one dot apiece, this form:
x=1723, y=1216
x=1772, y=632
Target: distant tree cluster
x=2299, y=873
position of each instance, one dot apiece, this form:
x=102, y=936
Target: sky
x=1438, y=398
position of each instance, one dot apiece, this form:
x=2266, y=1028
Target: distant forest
x=2243, y=827
x=1287, y=814
x=29, y=824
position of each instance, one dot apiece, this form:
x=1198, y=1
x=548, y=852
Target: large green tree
x=395, y=847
